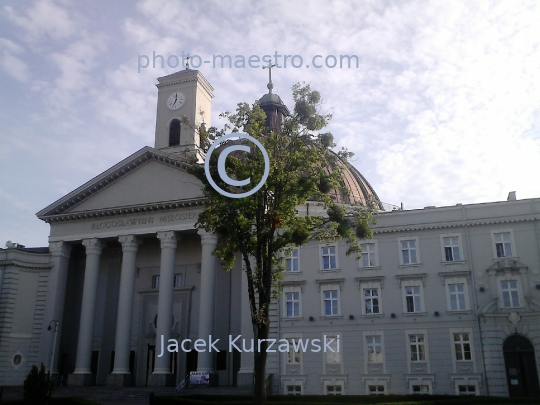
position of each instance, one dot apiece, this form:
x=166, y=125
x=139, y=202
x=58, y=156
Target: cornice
x=406, y=228
x=57, y=210
x=27, y=265
x=116, y=211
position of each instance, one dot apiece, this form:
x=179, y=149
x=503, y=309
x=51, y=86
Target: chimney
x=511, y=196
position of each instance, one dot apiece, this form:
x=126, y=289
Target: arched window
x=174, y=133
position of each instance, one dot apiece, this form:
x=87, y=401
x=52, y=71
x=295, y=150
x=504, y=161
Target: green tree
x=260, y=226
x=37, y=388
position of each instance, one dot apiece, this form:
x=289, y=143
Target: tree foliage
x=260, y=226
x=37, y=387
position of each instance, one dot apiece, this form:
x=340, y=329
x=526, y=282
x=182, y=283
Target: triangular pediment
x=148, y=179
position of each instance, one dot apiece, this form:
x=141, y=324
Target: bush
x=37, y=387
x=345, y=399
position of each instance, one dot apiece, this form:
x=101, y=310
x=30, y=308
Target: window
x=376, y=389
x=456, y=293
x=155, y=282
x=369, y=258
x=293, y=260
x=292, y=304
x=467, y=389
x=420, y=389
x=333, y=390
x=331, y=303
x=462, y=346
x=503, y=244
x=178, y=280
x=328, y=257
x=413, y=299
x=294, y=390
x=510, y=293
x=409, y=253
x=333, y=352
x=174, y=133
x=293, y=357
x=371, y=301
x=374, y=349
x=418, y=349
x=451, y=249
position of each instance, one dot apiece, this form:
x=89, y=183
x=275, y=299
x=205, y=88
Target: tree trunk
x=260, y=365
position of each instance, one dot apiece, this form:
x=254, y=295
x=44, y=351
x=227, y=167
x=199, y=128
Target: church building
x=445, y=300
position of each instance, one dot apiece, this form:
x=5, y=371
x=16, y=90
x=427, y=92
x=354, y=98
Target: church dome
x=358, y=190
x=270, y=98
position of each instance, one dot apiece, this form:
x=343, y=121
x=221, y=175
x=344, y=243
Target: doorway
x=520, y=363
x=150, y=361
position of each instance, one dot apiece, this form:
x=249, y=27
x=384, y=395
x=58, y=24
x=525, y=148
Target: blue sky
x=443, y=108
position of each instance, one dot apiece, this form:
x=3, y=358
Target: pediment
x=149, y=179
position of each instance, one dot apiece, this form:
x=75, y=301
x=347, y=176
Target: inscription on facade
x=131, y=222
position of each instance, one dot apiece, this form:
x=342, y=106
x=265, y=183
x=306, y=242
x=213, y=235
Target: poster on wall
x=199, y=377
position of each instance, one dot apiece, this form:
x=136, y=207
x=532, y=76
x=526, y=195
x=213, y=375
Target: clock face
x=176, y=100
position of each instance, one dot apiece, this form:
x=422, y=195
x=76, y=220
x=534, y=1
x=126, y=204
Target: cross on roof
x=270, y=85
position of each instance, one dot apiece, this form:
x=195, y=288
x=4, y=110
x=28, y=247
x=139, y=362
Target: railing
x=184, y=384
x=57, y=380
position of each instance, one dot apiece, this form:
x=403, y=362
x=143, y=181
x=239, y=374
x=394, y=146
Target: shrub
x=37, y=387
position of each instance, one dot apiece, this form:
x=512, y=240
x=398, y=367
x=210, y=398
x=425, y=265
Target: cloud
x=12, y=65
x=44, y=19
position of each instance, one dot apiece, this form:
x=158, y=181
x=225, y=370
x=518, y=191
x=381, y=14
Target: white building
x=445, y=300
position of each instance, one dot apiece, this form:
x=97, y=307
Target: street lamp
x=49, y=328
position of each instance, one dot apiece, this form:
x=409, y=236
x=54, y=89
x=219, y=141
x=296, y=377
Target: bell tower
x=182, y=97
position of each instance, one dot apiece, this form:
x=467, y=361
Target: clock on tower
x=182, y=95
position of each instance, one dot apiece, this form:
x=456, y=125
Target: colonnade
x=130, y=245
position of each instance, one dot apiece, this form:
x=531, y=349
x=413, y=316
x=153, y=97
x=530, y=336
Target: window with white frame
x=178, y=280
x=503, y=244
x=329, y=257
x=467, y=390
x=292, y=304
x=155, y=282
x=333, y=352
x=417, y=346
x=294, y=356
x=457, y=296
x=294, y=390
x=409, y=251
x=420, y=389
x=330, y=301
x=510, y=293
x=451, y=248
x=376, y=390
x=413, y=298
x=369, y=255
x=462, y=346
x=334, y=390
x=371, y=296
x=374, y=349
x=293, y=260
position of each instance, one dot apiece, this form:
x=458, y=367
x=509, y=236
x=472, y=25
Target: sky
x=443, y=106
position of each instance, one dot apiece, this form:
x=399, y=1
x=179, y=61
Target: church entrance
x=521, y=371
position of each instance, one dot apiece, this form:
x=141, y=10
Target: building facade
x=444, y=300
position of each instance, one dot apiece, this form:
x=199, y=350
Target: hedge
x=345, y=399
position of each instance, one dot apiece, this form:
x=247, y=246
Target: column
x=56, y=292
x=130, y=246
x=165, y=308
x=207, y=298
x=86, y=326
